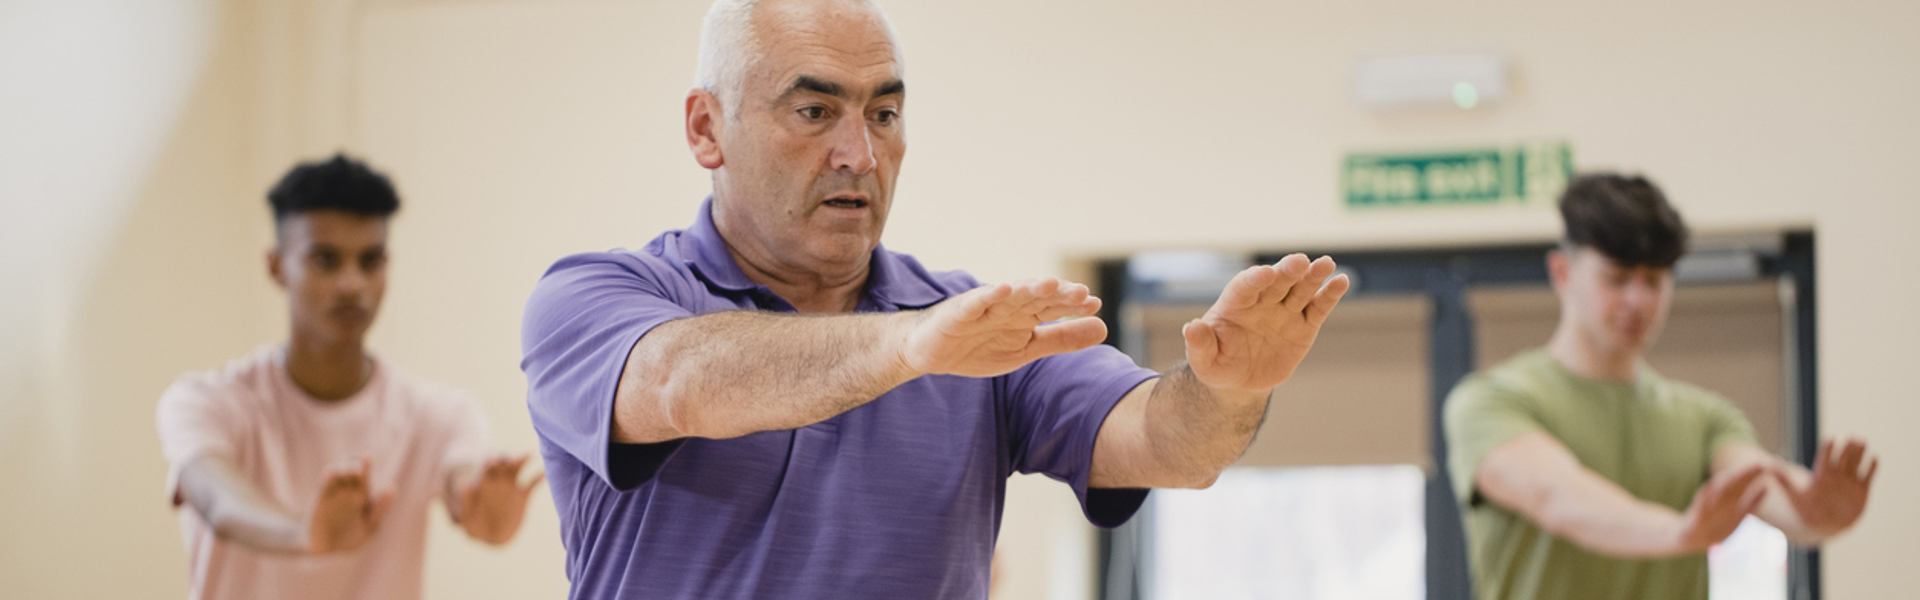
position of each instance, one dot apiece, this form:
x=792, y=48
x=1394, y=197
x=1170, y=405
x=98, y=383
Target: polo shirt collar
x=706, y=252
x=890, y=278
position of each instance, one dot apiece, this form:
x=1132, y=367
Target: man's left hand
x=1836, y=493
x=492, y=502
x=1263, y=324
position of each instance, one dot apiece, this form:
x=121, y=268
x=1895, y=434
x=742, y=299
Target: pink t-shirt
x=415, y=432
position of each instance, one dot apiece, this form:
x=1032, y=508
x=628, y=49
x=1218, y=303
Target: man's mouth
x=844, y=202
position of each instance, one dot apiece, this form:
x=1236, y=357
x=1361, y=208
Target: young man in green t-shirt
x=1581, y=472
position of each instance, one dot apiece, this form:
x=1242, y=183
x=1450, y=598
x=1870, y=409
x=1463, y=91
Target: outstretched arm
x=730, y=374
x=344, y=519
x=1536, y=476
x=1184, y=428
x=1809, y=506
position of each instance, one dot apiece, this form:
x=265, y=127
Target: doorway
x=1350, y=463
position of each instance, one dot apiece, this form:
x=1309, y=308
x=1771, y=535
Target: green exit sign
x=1521, y=174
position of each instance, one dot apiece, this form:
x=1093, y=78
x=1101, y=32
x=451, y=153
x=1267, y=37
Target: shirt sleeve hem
x=1108, y=508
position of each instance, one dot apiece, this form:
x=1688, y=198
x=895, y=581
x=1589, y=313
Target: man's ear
x=705, y=119
x=1558, y=265
x=273, y=267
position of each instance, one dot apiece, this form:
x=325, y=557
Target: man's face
x=1619, y=309
x=333, y=265
x=811, y=156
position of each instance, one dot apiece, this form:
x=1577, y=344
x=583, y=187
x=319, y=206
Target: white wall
x=1043, y=131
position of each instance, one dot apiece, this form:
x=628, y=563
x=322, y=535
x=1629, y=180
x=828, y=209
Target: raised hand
x=1263, y=324
x=1719, y=506
x=1836, y=494
x=493, y=502
x=992, y=330
x=348, y=512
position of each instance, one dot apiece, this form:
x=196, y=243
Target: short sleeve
x=584, y=317
x=195, y=419
x=1055, y=407
x=1479, y=417
x=1725, y=424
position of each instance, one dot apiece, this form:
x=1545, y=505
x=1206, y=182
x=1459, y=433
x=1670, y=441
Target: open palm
x=494, y=502
x=1836, y=494
x=347, y=513
x=1263, y=324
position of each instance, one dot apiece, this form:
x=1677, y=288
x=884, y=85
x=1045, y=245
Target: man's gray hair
x=729, y=44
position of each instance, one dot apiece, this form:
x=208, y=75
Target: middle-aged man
x=307, y=469
x=1581, y=472
x=706, y=442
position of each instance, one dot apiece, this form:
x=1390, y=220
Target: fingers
x=974, y=304
x=1754, y=494
x=1033, y=301
x=1065, y=336
x=1872, y=467
x=1032, y=295
x=538, y=478
x=344, y=478
x=1327, y=298
x=1308, y=285
x=1736, y=484
x=378, y=509
x=1823, y=459
x=1850, y=458
x=1084, y=308
x=1249, y=288
x=1203, y=347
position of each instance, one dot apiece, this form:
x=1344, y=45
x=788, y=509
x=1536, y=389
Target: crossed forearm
x=730, y=374
x=1600, y=516
x=1778, y=511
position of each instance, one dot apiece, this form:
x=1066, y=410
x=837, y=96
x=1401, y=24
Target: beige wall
x=1042, y=131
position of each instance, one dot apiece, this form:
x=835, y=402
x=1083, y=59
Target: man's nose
x=352, y=281
x=1641, y=294
x=853, y=147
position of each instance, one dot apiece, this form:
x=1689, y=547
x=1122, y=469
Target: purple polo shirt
x=899, y=498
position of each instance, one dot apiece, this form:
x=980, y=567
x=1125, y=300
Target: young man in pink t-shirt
x=306, y=469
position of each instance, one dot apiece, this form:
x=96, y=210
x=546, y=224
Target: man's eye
x=887, y=116
x=813, y=112
x=326, y=261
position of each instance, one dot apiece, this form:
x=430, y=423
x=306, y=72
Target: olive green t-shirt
x=1653, y=437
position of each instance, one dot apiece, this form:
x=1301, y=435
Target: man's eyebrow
x=891, y=87
x=806, y=83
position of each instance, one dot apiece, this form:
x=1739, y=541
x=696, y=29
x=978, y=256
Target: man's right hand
x=992, y=330
x=1719, y=507
x=348, y=512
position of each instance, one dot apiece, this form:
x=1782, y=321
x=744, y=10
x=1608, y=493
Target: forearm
x=1605, y=519
x=1193, y=432
x=734, y=373
x=239, y=512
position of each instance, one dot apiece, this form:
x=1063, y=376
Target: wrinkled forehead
x=845, y=41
